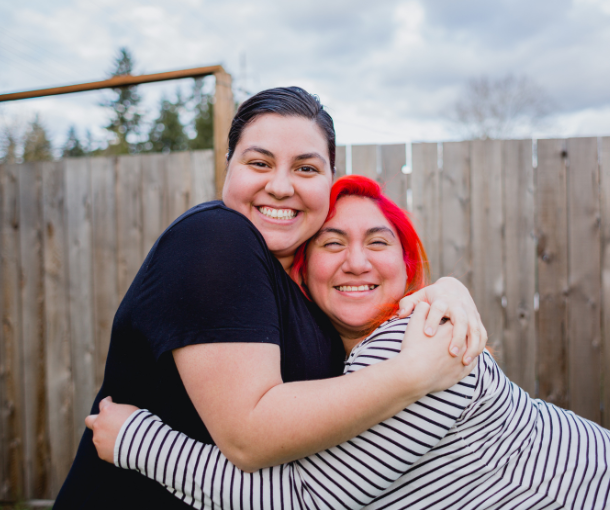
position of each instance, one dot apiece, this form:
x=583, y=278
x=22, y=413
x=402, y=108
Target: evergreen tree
x=73, y=147
x=167, y=132
x=36, y=143
x=126, y=116
x=10, y=146
x=203, y=122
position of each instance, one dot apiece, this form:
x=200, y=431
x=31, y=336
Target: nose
x=356, y=262
x=280, y=184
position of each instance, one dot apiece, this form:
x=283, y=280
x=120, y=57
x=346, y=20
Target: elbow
x=246, y=459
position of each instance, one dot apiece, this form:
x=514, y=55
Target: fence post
x=224, y=109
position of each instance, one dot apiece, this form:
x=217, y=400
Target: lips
x=355, y=288
x=277, y=214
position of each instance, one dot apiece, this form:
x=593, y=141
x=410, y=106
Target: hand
x=449, y=298
x=107, y=425
x=427, y=357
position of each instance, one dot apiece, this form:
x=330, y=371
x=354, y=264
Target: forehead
x=355, y=214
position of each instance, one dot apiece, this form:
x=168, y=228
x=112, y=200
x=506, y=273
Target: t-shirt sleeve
x=209, y=278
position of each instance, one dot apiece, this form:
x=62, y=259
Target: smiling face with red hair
x=364, y=259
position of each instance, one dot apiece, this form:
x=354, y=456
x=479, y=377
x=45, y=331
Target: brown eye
x=443, y=320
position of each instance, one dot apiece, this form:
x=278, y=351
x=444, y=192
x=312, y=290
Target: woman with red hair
x=483, y=443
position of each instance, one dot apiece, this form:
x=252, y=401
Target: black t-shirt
x=208, y=278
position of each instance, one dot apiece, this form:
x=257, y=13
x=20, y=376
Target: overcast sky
x=387, y=70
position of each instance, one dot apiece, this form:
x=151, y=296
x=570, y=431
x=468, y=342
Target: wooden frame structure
x=224, y=106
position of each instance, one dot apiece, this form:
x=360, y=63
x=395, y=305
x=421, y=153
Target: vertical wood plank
x=129, y=220
x=487, y=238
x=340, y=161
x=584, y=270
x=426, y=202
x=393, y=158
x=154, y=199
x=364, y=161
x=455, y=248
x=605, y=225
x=520, y=264
x=80, y=287
x=11, y=413
x=202, y=177
x=552, y=232
x=60, y=388
x=178, y=184
x=224, y=109
x=105, y=291
x=32, y=332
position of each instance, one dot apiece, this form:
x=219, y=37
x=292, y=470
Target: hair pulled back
x=285, y=101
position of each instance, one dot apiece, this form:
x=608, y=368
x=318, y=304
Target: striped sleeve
x=349, y=475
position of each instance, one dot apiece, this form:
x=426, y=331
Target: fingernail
x=429, y=331
x=454, y=351
x=468, y=360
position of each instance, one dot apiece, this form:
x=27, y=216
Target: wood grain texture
x=487, y=239
x=129, y=220
x=202, y=177
x=340, y=161
x=104, y=249
x=179, y=185
x=604, y=178
x=393, y=158
x=154, y=199
x=12, y=466
x=36, y=441
x=59, y=383
x=364, y=161
x=425, y=185
x=584, y=270
x=455, y=247
x=552, y=251
x=80, y=287
x=224, y=110
x=520, y=265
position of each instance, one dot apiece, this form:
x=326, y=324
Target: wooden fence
x=525, y=226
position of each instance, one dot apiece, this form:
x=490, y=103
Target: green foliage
x=36, y=144
x=167, y=132
x=73, y=147
x=126, y=116
x=10, y=145
x=203, y=122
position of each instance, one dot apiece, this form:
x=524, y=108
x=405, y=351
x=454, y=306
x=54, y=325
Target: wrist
x=409, y=377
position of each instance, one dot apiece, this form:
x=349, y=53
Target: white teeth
x=359, y=288
x=280, y=214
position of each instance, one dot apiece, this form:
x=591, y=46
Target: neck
x=286, y=262
x=351, y=341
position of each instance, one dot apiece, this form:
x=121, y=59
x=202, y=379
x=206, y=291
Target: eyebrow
x=300, y=157
x=373, y=230
x=260, y=150
x=310, y=155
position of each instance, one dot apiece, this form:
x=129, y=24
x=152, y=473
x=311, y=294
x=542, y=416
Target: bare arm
x=258, y=421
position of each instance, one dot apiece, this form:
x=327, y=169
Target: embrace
x=234, y=335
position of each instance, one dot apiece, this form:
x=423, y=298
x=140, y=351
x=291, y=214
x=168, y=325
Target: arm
x=448, y=297
x=351, y=474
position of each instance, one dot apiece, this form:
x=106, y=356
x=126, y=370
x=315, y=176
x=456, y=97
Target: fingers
x=477, y=338
x=90, y=420
x=420, y=313
x=408, y=303
x=105, y=402
x=438, y=310
x=459, y=320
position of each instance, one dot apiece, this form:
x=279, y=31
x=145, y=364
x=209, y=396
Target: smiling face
x=355, y=266
x=279, y=178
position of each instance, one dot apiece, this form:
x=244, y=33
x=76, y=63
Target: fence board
x=584, y=269
x=426, y=202
x=520, y=264
x=393, y=158
x=202, y=177
x=552, y=250
x=340, y=161
x=60, y=388
x=129, y=220
x=32, y=332
x=105, y=291
x=455, y=252
x=487, y=238
x=80, y=287
x=11, y=412
x=178, y=185
x=154, y=200
x=364, y=161
x=604, y=169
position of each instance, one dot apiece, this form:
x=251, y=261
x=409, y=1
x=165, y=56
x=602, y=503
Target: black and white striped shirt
x=481, y=444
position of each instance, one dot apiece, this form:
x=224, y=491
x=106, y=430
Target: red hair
x=413, y=251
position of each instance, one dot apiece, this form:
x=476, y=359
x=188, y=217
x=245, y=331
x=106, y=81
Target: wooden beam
x=117, y=81
x=224, y=109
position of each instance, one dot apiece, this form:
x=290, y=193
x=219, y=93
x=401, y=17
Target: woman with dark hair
x=484, y=443
x=216, y=339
